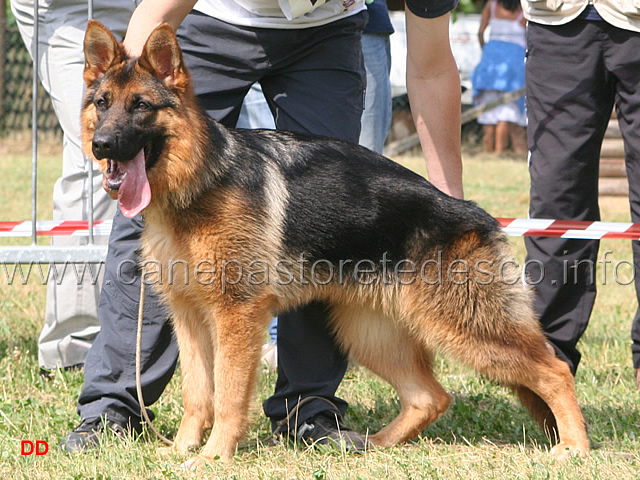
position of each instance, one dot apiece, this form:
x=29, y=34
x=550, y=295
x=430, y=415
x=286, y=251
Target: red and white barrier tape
x=74, y=228
x=535, y=227
x=515, y=227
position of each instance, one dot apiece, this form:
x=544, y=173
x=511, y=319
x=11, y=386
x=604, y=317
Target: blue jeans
x=376, y=118
x=255, y=112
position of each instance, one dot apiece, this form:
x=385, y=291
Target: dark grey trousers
x=314, y=81
x=575, y=73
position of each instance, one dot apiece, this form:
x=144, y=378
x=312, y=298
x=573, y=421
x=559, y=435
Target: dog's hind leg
x=195, y=340
x=548, y=393
x=515, y=353
x=422, y=398
x=385, y=348
x=484, y=317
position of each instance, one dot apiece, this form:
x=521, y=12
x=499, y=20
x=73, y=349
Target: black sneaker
x=86, y=436
x=50, y=373
x=327, y=428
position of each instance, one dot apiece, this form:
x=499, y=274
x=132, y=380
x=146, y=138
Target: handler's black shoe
x=327, y=428
x=50, y=373
x=86, y=436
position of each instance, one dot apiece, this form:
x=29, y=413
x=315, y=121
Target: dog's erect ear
x=101, y=50
x=162, y=57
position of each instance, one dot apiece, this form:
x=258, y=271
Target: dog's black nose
x=103, y=145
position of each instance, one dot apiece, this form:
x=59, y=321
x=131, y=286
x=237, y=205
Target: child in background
x=500, y=70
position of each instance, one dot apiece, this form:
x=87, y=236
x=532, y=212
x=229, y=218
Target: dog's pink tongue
x=134, y=194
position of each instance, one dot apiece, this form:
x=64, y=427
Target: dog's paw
x=193, y=464
x=563, y=451
x=185, y=447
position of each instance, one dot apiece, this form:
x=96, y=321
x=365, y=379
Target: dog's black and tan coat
x=280, y=219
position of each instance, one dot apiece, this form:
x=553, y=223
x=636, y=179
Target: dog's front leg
x=239, y=337
x=195, y=333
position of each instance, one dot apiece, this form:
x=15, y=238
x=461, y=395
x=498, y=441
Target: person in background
x=501, y=69
x=583, y=58
x=71, y=319
x=376, y=48
x=313, y=78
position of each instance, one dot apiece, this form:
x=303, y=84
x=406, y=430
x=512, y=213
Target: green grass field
x=484, y=435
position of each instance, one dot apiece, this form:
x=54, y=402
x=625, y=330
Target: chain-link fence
x=16, y=87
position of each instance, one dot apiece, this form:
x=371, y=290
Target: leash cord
x=143, y=409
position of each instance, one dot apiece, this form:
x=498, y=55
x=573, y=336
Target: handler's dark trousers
x=314, y=82
x=575, y=73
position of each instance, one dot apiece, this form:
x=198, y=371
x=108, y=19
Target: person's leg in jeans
x=376, y=118
x=109, y=377
x=569, y=102
x=375, y=121
x=109, y=389
x=632, y=156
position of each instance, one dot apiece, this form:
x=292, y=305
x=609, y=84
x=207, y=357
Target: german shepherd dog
x=283, y=219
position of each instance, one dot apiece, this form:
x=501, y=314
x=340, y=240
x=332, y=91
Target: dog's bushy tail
x=539, y=410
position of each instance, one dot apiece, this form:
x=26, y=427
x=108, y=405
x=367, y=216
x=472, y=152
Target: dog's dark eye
x=142, y=106
x=101, y=103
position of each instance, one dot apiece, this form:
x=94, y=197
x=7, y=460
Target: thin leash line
x=143, y=409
